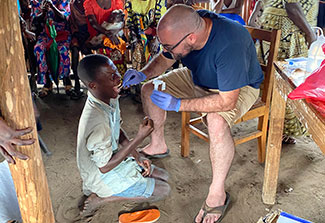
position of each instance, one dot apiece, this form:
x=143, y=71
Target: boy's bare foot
x=90, y=205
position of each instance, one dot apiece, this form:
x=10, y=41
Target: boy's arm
x=144, y=130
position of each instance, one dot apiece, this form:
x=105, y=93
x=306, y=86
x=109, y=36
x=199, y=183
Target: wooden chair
x=259, y=110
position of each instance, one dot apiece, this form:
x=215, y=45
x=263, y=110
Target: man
x=221, y=78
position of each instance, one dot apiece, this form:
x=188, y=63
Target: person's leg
x=221, y=154
x=178, y=83
x=160, y=174
x=74, y=66
x=93, y=202
x=158, y=143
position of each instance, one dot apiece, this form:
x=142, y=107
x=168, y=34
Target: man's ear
x=192, y=38
x=92, y=85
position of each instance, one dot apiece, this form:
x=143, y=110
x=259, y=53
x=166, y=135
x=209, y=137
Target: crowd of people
x=221, y=76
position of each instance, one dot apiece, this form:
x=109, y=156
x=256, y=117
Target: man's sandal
x=216, y=210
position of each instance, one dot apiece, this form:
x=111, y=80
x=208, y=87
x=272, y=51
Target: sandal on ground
x=76, y=95
x=45, y=92
x=68, y=90
x=216, y=210
x=288, y=140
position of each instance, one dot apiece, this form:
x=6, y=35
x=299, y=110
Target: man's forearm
x=207, y=104
x=157, y=66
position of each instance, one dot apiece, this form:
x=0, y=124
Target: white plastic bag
x=315, y=53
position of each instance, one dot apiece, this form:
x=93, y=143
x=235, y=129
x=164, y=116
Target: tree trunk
x=17, y=109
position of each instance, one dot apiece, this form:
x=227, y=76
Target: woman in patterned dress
x=295, y=19
x=54, y=12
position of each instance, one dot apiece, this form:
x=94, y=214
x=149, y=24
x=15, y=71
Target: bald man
x=221, y=77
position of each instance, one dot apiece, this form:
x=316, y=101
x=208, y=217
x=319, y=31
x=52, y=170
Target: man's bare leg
x=93, y=202
x=222, y=151
x=157, y=144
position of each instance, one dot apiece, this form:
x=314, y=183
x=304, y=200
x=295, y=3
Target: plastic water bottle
x=315, y=53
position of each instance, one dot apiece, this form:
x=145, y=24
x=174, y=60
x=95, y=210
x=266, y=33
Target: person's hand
x=145, y=164
x=45, y=7
x=133, y=77
x=310, y=38
x=145, y=128
x=165, y=101
x=113, y=37
x=30, y=35
x=8, y=138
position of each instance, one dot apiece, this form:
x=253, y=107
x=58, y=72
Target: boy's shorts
x=142, y=188
x=179, y=83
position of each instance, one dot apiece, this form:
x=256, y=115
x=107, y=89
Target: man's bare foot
x=210, y=217
x=90, y=205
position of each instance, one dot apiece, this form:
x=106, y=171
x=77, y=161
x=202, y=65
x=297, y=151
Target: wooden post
x=273, y=152
x=17, y=109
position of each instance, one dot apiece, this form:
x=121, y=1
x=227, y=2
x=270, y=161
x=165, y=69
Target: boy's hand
x=146, y=165
x=145, y=128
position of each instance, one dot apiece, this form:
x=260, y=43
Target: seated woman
x=100, y=14
x=55, y=14
x=229, y=8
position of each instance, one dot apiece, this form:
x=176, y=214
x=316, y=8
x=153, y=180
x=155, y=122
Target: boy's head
x=100, y=76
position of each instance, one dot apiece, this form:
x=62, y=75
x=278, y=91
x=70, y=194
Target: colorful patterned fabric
x=43, y=40
x=143, y=17
x=293, y=42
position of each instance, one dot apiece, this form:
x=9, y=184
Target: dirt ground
x=302, y=169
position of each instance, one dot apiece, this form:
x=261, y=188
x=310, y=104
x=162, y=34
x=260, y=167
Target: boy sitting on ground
x=110, y=173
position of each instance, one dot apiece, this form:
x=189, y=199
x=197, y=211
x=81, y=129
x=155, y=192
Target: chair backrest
x=272, y=39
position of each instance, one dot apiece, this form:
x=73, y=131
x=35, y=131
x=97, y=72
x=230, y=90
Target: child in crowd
x=109, y=164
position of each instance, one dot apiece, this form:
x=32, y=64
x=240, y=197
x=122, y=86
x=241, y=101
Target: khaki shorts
x=179, y=83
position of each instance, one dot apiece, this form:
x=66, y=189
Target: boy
x=109, y=173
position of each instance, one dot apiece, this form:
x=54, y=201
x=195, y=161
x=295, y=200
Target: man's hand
x=133, y=77
x=145, y=128
x=145, y=164
x=165, y=101
x=8, y=138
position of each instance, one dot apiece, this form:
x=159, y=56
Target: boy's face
x=106, y=84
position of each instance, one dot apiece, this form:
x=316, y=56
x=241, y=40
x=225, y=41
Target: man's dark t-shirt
x=228, y=60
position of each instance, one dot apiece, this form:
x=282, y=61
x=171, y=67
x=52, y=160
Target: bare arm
x=224, y=101
x=252, y=19
x=93, y=22
x=157, y=66
x=144, y=130
x=297, y=16
x=217, y=5
x=237, y=10
x=57, y=12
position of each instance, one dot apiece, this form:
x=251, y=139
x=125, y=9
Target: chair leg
x=185, y=141
x=262, y=126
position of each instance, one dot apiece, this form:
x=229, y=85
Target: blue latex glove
x=165, y=101
x=133, y=77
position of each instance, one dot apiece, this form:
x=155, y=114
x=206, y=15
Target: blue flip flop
x=156, y=156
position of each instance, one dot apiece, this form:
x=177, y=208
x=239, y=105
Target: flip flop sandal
x=76, y=95
x=44, y=92
x=156, y=156
x=216, y=210
x=288, y=140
